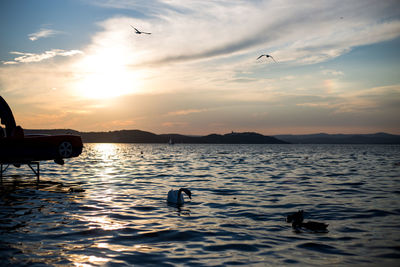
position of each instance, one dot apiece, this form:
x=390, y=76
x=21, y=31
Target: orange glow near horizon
x=100, y=75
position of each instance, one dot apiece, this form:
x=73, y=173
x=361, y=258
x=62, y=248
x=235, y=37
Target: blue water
x=241, y=195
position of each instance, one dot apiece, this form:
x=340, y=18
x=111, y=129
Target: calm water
x=241, y=195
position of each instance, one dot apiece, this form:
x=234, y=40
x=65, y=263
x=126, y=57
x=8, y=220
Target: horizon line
x=314, y=133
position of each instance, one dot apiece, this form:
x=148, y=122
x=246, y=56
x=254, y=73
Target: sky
x=79, y=64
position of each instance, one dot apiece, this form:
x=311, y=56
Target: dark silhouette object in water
x=297, y=223
x=176, y=197
x=18, y=148
x=140, y=32
x=267, y=56
x=76, y=190
x=297, y=216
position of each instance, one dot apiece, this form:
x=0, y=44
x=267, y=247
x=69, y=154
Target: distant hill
x=51, y=131
x=323, y=138
x=137, y=136
x=240, y=138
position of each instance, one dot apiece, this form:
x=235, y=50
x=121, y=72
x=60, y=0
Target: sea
x=108, y=207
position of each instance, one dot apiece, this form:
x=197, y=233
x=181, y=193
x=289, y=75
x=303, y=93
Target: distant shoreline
x=138, y=136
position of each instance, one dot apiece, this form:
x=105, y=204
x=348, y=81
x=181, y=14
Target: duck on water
x=297, y=219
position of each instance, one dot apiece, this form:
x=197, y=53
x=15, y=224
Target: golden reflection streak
x=106, y=150
x=102, y=222
x=78, y=259
x=107, y=153
x=121, y=248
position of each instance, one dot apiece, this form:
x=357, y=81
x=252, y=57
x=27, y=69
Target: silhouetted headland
x=138, y=136
x=323, y=138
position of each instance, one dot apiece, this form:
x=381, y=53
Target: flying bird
x=140, y=32
x=267, y=56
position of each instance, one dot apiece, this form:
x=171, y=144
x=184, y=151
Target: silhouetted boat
x=17, y=148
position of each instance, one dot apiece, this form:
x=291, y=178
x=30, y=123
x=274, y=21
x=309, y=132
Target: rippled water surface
x=241, y=195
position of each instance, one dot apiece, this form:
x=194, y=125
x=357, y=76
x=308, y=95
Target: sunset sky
x=80, y=65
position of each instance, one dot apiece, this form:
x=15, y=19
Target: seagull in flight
x=267, y=56
x=139, y=32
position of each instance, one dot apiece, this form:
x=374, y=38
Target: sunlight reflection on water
x=241, y=195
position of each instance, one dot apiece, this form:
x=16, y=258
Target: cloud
x=32, y=57
x=9, y=62
x=148, y=7
x=198, y=72
x=187, y=31
x=332, y=72
x=42, y=33
x=366, y=102
x=175, y=124
x=185, y=112
x=382, y=99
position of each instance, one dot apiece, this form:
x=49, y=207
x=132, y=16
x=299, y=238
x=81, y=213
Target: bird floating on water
x=297, y=223
x=176, y=197
x=267, y=56
x=76, y=190
x=140, y=32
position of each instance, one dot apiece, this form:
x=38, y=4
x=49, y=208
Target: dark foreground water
x=241, y=195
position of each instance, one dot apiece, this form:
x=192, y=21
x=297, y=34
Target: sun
x=106, y=74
